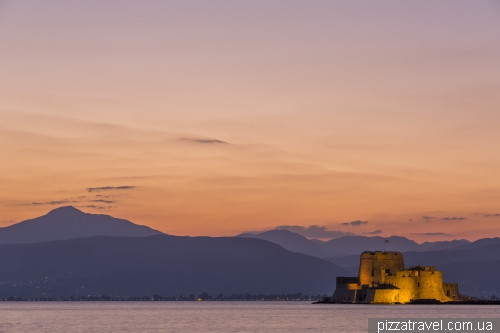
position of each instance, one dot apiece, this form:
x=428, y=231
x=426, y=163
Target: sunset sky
x=219, y=117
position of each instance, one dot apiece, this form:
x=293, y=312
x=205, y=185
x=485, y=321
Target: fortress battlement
x=383, y=278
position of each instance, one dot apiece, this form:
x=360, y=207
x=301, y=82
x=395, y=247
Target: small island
x=383, y=279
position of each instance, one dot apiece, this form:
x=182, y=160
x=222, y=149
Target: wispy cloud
x=103, y=201
x=453, y=218
x=427, y=218
x=430, y=234
x=98, y=207
x=314, y=231
x=491, y=215
x=356, y=223
x=205, y=141
x=376, y=232
x=110, y=188
x=52, y=203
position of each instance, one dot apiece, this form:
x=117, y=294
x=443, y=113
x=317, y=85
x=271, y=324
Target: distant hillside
x=291, y=241
x=356, y=244
x=347, y=245
x=67, y=223
x=475, y=278
x=162, y=264
x=432, y=258
x=412, y=258
x=442, y=245
x=477, y=244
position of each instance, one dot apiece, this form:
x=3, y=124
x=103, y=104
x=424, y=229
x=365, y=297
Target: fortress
x=383, y=279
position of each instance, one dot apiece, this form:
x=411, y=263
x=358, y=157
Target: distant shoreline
x=204, y=297
x=145, y=300
x=478, y=302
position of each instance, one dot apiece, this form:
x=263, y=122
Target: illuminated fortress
x=383, y=279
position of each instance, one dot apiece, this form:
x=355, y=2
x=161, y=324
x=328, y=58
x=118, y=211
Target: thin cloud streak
x=50, y=203
x=98, y=207
x=430, y=234
x=356, y=223
x=110, y=188
x=205, y=141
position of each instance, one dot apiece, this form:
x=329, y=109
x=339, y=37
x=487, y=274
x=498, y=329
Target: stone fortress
x=383, y=279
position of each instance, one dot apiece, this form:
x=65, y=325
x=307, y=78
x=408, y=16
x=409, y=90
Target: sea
x=268, y=317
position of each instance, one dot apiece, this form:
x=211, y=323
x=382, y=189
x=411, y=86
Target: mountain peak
x=69, y=222
x=291, y=241
x=65, y=210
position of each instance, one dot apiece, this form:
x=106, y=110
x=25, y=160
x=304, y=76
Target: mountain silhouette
x=290, y=241
x=347, y=245
x=477, y=244
x=475, y=278
x=67, y=223
x=162, y=264
x=356, y=244
x=443, y=245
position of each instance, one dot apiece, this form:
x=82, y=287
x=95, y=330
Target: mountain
x=356, y=244
x=347, y=245
x=290, y=241
x=161, y=264
x=477, y=244
x=475, y=278
x=67, y=223
x=485, y=253
x=318, y=242
x=442, y=245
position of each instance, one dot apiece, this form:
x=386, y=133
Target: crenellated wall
x=423, y=283
x=451, y=291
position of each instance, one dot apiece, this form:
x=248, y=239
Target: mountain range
x=68, y=252
x=160, y=264
x=348, y=245
x=291, y=241
x=67, y=223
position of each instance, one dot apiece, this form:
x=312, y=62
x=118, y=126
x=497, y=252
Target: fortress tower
x=383, y=279
x=372, y=265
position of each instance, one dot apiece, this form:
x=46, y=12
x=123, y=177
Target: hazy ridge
x=68, y=252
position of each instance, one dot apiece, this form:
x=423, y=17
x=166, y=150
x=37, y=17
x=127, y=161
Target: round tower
x=374, y=265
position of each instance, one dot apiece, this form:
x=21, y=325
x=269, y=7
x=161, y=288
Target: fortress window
x=418, y=284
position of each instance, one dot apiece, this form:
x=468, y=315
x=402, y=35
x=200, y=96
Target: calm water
x=213, y=316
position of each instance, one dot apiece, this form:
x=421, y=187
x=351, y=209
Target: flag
x=386, y=241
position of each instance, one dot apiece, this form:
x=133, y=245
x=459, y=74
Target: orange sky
x=227, y=116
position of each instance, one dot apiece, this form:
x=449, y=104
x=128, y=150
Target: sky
x=219, y=117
